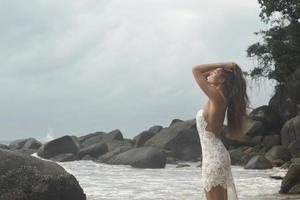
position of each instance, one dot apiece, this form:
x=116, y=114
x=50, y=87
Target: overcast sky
x=76, y=67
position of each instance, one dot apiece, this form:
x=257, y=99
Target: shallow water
x=103, y=181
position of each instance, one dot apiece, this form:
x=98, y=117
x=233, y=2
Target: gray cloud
x=74, y=67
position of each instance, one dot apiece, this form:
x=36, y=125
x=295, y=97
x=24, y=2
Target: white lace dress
x=216, y=162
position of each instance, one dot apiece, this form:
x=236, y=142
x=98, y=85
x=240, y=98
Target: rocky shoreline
x=271, y=138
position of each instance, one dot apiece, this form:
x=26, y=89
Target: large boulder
x=181, y=138
x=23, y=177
x=141, y=157
x=291, y=181
x=94, y=150
x=290, y=131
x=62, y=145
x=111, y=154
x=141, y=138
x=286, y=100
x=294, y=148
x=90, y=139
x=186, y=146
x=98, y=137
x=26, y=146
x=267, y=116
x=166, y=136
x=269, y=141
x=258, y=162
x=236, y=155
x=278, y=152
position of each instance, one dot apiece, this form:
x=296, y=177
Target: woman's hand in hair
x=231, y=65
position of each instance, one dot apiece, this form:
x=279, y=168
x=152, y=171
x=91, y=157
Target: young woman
x=225, y=87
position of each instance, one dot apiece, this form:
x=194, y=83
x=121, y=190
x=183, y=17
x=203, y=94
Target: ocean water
x=113, y=182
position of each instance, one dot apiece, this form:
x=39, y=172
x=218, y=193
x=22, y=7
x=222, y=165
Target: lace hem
x=209, y=184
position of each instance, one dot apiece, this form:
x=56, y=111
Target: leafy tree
x=279, y=54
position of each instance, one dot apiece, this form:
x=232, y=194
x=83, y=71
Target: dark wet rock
x=62, y=145
x=258, y=162
x=23, y=177
x=141, y=157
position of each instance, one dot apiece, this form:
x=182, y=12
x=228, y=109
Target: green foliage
x=279, y=54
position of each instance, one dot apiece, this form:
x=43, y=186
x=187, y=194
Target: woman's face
x=214, y=76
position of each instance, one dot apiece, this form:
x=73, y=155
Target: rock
x=113, y=144
x=290, y=131
x=23, y=177
x=186, y=146
x=26, y=151
x=294, y=147
x=278, y=152
x=254, y=128
x=94, y=150
x=257, y=139
x=141, y=157
x=141, y=138
x=258, y=162
x=267, y=116
x=98, y=137
x=236, y=155
x=276, y=177
x=246, y=157
x=25, y=145
x=171, y=160
x=182, y=165
x=90, y=139
x=2, y=146
x=66, y=157
x=286, y=100
x=181, y=138
x=88, y=157
x=155, y=129
x=62, y=145
x=277, y=162
x=295, y=189
x=286, y=165
x=270, y=141
x=291, y=179
x=111, y=154
x=174, y=121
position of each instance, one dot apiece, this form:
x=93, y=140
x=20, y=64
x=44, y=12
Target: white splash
x=49, y=135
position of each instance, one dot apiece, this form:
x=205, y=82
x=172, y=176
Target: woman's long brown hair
x=235, y=92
